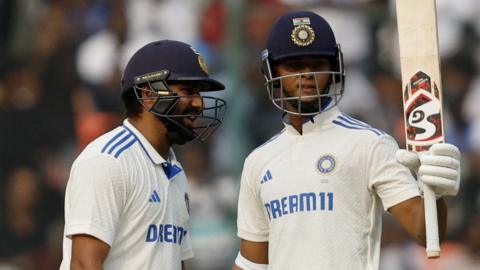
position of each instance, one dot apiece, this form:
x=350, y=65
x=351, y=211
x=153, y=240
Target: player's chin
x=309, y=98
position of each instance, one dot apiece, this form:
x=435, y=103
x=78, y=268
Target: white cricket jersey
x=318, y=198
x=124, y=193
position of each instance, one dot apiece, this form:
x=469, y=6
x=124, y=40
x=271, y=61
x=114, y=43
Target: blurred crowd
x=61, y=63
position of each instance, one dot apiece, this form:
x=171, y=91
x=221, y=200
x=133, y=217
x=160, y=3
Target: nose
x=308, y=70
x=197, y=102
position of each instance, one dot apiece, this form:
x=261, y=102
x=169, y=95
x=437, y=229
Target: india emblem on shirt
x=326, y=164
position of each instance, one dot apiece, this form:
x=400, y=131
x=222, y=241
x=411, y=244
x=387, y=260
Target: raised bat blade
x=422, y=92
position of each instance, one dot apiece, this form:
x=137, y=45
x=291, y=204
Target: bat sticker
x=423, y=112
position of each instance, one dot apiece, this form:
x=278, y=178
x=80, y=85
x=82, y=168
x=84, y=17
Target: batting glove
x=439, y=168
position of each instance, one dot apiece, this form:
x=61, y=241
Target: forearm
x=438, y=168
x=88, y=252
x=84, y=265
x=411, y=215
x=252, y=255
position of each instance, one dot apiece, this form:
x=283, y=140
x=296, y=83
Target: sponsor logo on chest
x=165, y=233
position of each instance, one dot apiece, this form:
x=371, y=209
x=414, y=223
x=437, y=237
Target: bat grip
x=431, y=222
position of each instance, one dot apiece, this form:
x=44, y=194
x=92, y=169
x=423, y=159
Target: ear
x=147, y=96
x=145, y=91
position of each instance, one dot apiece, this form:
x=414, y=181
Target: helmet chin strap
x=177, y=133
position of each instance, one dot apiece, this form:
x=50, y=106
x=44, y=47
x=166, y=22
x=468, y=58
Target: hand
x=439, y=167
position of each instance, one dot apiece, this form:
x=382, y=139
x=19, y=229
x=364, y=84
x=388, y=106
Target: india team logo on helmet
x=201, y=61
x=302, y=35
x=326, y=164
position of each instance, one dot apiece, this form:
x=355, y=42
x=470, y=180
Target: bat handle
x=431, y=222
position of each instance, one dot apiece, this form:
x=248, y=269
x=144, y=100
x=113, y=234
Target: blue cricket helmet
x=299, y=34
x=182, y=62
x=157, y=65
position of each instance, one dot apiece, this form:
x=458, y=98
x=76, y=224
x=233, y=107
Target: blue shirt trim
x=125, y=147
x=170, y=170
x=355, y=122
x=356, y=127
x=119, y=142
x=144, y=149
x=112, y=140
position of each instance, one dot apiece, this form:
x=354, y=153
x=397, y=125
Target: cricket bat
x=422, y=92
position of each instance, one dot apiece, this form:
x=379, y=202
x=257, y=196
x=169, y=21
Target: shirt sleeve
x=392, y=181
x=187, y=249
x=94, y=198
x=252, y=221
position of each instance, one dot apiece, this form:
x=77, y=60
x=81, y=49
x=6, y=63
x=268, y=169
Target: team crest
x=302, y=34
x=326, y=164
x=187, y=202
x=203, y=65
x=201, y=61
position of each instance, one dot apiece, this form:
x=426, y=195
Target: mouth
x=309, y=90
x=189, y=121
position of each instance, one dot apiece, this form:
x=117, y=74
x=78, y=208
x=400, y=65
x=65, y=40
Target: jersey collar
x=315, y=123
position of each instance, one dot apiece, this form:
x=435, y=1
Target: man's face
x=190, y=102
x=181, y=108
x=307, y=86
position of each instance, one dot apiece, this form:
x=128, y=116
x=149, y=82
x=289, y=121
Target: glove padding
x=439, y=168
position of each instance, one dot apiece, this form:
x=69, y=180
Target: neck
x=297, y=122
x=154, y=131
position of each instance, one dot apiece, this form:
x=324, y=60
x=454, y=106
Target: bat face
x=423, y=112
x=420, y=66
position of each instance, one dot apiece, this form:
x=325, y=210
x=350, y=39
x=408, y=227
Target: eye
x=321, y=65
x=297, y=65
x=190, y=91
x=293, y=65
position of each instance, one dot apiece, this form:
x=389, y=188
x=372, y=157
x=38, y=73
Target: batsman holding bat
x=312, y=197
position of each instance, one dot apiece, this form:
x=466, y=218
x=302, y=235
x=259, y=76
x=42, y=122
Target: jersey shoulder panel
x=96, y=165
x=110, y=150
x=94, y=147
x=113, y=143
x=269, y=151
x=269, y=147
x=91, y=156
x=357, y=128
